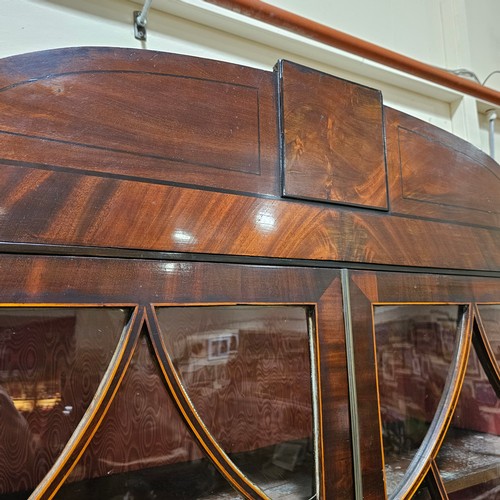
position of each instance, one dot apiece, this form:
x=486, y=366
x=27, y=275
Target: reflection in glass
x=51, y=363
x=490, y=316
x=469, y=459
x=247, y=372
x=415, y=345
x=142, y=448
x=422, y=494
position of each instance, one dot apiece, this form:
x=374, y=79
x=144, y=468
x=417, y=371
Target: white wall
x=446, y=33
x=409, y=27
x=483, y=23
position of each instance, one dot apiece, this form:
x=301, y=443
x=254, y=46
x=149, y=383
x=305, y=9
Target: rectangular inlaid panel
x=154, y=116
x=437, y=175
x=332, y=139
x=169, y=121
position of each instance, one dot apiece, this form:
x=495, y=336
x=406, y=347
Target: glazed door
x=427, y=376
x=156, y=379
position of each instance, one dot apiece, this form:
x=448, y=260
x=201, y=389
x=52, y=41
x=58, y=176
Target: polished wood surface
x=434, y=174
x=143, y=115
x=333, y=138
x=54, y=207
x=135, y=154
x=72, y=176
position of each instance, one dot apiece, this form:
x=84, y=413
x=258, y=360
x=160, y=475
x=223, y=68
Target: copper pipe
x=329, y=36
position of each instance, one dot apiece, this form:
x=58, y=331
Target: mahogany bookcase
x=217, y=281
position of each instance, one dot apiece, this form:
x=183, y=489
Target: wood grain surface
x=333, y=138
x=141, y=114
x=434, y=174
x=54, y=207
x=115, y=150
x=76, y=170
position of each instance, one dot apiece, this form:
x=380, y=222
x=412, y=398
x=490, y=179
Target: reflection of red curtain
x=37, y=358
x=261, y=396
x=142, y=428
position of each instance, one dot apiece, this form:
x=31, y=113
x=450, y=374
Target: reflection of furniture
x=132, y=179
x=415, y=345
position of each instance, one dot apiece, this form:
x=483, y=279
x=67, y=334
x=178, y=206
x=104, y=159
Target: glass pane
x=247, y=372
x=490, y=316
x=142, y=448
x=469, y=459
x=51, y=363
x=422, y=494
x=415, y=344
